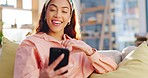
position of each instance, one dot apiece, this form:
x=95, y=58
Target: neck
x=56, y=36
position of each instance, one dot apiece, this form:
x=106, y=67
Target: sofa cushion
x=135, y=65
x=7, y=58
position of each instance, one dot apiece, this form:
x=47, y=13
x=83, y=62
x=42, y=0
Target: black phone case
x=55, y=53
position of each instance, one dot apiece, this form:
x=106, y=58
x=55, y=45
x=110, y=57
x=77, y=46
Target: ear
x=69, y=19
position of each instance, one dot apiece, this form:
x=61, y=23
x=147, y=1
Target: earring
x=44, y=19
x=68, y=23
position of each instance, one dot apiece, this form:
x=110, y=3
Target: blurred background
x=105, y=24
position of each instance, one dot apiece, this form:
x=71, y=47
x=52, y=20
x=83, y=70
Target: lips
x=56, y=22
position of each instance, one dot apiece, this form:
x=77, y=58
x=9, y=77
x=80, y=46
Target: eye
x=64, y=11
x=52, y=10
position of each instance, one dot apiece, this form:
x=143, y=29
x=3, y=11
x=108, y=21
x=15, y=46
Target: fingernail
x=71, y=65
x=62, y=55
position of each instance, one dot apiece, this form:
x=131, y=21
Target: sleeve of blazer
x=102, y=64
x=26, y=64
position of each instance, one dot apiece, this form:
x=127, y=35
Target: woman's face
x=58, y=15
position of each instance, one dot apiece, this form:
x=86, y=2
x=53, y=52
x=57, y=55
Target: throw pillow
x=127, y=50
x=135, y=65
x=7, y=58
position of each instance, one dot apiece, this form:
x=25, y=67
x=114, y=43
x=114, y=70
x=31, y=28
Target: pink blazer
x=33, y=55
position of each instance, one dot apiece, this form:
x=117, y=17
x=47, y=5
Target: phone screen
x=55, y=53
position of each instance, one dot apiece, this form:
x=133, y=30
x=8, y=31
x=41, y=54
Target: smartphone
x=55, y=53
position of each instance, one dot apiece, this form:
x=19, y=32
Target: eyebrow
x=56, y=6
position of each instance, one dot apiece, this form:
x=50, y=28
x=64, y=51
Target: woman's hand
x=78, y=45
x=50, y=73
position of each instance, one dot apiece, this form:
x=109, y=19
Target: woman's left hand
x=78, y=45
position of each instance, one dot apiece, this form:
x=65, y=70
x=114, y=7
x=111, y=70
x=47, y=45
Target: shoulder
x=34, y=37
x=29, y=40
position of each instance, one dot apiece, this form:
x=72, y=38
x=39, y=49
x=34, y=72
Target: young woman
x=58, y=27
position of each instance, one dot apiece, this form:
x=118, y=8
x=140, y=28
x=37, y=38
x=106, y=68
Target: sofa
x=132, y=61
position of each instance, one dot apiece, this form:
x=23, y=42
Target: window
x=9, y=16
x=146, y=15
x=8, y=3
x=27, y=4
x=127, y=23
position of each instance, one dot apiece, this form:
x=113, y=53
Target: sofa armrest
x=127, y=50
x=114, y=54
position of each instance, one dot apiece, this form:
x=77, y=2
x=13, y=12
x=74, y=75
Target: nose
x=57, y=14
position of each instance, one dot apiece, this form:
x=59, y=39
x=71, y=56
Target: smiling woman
x=58, y=28
x=57, y=17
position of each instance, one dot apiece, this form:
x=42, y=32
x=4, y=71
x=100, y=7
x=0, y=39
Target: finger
x=65, y=42
x=63, y=69
x=62, y=42
x=69, y=73
x=56, y=62
x=69, y=43
x=69, y=48
x=59, y=76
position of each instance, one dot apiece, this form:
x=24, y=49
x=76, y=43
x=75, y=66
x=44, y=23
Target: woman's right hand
x=50, y=73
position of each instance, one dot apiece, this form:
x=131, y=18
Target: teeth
x=57, y=22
